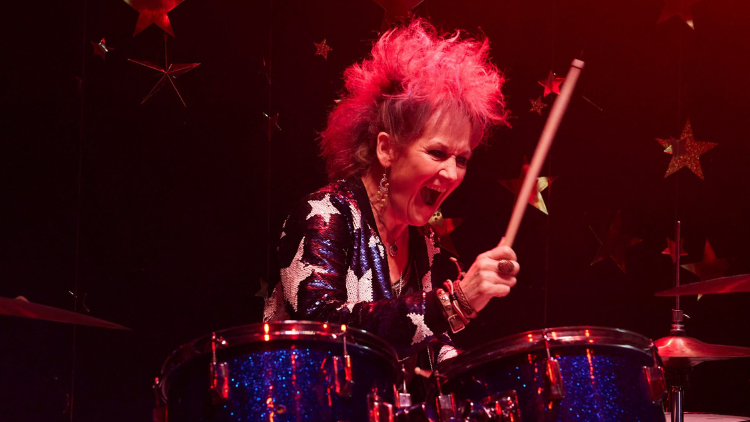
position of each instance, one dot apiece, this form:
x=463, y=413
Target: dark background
x=165, y=216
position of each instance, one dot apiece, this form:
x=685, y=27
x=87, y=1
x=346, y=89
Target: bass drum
x=595, y=374
x=279, y=371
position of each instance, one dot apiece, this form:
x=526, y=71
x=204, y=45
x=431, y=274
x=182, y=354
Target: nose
x=450, y=170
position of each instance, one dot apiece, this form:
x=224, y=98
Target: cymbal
x=733, y=284
x=21, y=307
x=684, y=352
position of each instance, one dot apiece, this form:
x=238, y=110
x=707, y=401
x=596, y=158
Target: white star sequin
x=293, y=275
x=358, y=289
x=432, y=250
x=356, y=216
x=422, y=331
x=323, y=208
x=373, y=243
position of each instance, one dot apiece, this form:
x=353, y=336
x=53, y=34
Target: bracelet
x=464, y=302
x=454, y=302
x=454, y=320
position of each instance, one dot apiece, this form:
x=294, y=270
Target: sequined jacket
x=334, y=268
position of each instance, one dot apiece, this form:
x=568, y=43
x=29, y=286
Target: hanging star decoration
x=101, y=48
x=709, y=267
x=685, y=151
x=153, y=12
x=671, y=249
x=615, y=244
x=272, y=123
x=322, y=49
x=169, y=73
x=551, y=84
x=680, y=8
x=535, y=198
x=395, y=11
x=537, y=105
x=443, y=228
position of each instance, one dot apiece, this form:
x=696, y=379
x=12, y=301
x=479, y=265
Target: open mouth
x=430, y=194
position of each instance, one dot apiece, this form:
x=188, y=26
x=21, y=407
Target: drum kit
x=314, y=371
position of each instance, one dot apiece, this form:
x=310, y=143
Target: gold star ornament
x=322, y=49
x=537, y=105
x=680, y=8
x=686, y=151
x=535, y=198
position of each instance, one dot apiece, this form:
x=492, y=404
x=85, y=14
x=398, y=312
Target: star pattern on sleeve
x=358, y=289
x=432, y=250
x=422, y=331
x=323, y=208
x=292, y=276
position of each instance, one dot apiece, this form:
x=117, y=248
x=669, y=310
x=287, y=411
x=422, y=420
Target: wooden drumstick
x=542, y=148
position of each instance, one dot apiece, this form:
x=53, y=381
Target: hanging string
x=81, y=96
x=268, y=75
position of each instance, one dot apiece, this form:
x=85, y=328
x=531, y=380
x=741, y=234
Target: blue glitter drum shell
x=601, y=368
x=288, y=377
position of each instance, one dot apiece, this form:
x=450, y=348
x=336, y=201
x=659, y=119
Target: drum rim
x=519, y=343
x=277, y=330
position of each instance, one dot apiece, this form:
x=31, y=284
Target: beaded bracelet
x=454, y=302
x=464, y=302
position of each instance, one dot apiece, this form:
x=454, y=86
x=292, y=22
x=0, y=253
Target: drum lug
x=343, y=363
x=555, y=387
x=504, y=407
x=219, y=374
x=446, y=405
x=159, y=414
x=378, y=411
x=657, y=386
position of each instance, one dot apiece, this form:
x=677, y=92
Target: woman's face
x=429, y=169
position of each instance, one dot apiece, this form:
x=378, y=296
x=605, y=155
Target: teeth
x=437, y=189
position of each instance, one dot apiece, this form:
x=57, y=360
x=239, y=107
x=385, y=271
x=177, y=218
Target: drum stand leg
x=677, y=395
x=678, y=380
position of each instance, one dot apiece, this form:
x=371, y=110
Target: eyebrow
x=467, y=152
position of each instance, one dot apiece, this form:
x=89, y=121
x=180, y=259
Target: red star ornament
x=535, y=198
x=685, y=151
x=672, y=249
x=537, y=105
x=322, y=49
x=615, y=244
x=396, y=10
x=101, y=48
x=551, y=84
x=443, y=228
x=681, y=8
x=709, y=267
x=169, y=73
x=153, y=12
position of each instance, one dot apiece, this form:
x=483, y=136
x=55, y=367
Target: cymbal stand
x=677, y=377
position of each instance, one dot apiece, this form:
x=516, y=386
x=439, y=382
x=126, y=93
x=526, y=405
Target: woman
x=360, y=251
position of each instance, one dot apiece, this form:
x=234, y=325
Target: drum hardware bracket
x=503, y=407
x=159, y=413
x=379, y=411
x=555, y=387
x=403, y=398
x=219, y=374
x=343, y=362
x=657, y=384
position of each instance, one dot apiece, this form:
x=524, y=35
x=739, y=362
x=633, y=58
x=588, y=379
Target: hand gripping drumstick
x=542, y=148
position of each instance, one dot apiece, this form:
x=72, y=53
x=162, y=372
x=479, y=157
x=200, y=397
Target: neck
x=390, y=229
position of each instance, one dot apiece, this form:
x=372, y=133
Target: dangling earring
x=383, y=188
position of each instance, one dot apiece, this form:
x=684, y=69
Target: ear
x=385, y=150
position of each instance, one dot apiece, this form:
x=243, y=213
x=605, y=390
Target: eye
x=436, y=153
x=462, y=161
